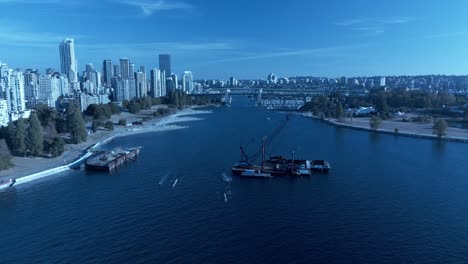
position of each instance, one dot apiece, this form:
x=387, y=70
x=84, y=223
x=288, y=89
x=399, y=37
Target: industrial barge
x=109, y=161
x=276, y=165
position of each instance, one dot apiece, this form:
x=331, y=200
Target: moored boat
x=320, y=165
x=7, y=183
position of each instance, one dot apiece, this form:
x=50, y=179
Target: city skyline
x=219, y=39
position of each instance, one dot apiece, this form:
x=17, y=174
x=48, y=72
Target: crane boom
x=269, y=139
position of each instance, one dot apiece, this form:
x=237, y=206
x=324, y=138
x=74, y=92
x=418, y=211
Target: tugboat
x=276, y=165
x=7, y=183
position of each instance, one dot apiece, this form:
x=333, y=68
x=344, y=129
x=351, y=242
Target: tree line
x=177, y=99
x=383, y=101
x=39, y=135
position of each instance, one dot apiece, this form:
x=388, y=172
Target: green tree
x=375, y=122
x=155, y=101
x=339, y=112
x=106, y=110
x=5, y=156
x=177, y=98
x=122, y=122
x=21, y=136
x=94, y=126
x=45, y=114
x=76, y=124
x=95, y=111
x=115, y=110
x=380, y=102
x=134, y=107
x=35, y=136
x=125, y=104
x=11, y=139
x=56, y=147
x=109, y=125
x=440, y=128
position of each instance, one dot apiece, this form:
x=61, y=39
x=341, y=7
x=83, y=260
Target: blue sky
x=244, y=38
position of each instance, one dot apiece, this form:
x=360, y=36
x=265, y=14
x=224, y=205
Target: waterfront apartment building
x=158, y=83
x=187, y=82
x=175, y=80
x=31, y=87
x=140, y=82
x=51, y=87
x=12, y=89
x=123, y=89
x=4, y=114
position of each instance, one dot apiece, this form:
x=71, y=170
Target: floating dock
x=109, y=161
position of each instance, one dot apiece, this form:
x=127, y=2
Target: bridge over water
x=272, y=98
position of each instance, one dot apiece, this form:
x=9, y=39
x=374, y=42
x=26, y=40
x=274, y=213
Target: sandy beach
x=35, y=166
x=412, y=129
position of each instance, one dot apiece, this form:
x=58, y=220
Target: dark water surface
x=387, y=199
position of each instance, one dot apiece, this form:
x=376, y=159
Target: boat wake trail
x=164, y=178
x=226, y=178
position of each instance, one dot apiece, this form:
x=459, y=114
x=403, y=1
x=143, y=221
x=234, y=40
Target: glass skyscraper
x=165, y=64
x=68, y=61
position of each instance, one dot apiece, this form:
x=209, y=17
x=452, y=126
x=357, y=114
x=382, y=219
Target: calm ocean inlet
x=387, y=199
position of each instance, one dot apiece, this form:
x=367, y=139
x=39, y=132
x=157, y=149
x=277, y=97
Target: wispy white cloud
x=166, y=46
x=351, y=22
x=328, y=51
x=139, y=51
x=373, y=26
x=149, y=7
x=369, y=31
x=374, y=21
x=19, y=35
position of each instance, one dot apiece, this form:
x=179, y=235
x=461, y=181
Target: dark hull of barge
x=109, y=161
x=278, y=166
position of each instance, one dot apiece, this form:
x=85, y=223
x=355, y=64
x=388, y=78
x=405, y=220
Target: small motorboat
x=7, y=183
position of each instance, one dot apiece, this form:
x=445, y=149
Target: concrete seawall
x=389, y=132
x=63, y=168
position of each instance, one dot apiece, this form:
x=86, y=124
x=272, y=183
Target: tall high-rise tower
x=125, y=68
x=107, y=71
x=68, y=62
x=165, y=64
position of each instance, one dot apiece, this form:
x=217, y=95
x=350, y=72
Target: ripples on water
x=387, y=199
